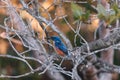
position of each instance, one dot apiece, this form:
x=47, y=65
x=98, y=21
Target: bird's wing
x=63, y=48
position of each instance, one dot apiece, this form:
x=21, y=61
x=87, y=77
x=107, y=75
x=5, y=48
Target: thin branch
x=22, y=75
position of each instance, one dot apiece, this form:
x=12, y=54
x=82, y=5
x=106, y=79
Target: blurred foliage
x=116, y=57
x=71, y=36
x=88, y=6
x=79, y=13
x=82, y=12
x=109, y=16
x=2, y=17
x=15, y=67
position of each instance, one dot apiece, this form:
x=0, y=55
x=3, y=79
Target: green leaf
x=108, y=16
x=101, y=10
x=86, y=16
x=111, y=19
x=115, y=8
x=77, y=11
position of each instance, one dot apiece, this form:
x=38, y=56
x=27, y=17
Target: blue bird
x=60, y=46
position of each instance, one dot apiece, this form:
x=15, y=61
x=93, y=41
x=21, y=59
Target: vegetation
x=90, y=29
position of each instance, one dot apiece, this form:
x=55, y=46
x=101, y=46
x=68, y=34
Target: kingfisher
x=60, y=46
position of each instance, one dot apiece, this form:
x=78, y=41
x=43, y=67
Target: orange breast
x=60, y=52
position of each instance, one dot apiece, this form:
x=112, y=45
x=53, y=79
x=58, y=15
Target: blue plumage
x=59, y=44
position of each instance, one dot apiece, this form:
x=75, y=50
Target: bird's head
x=56, y=38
